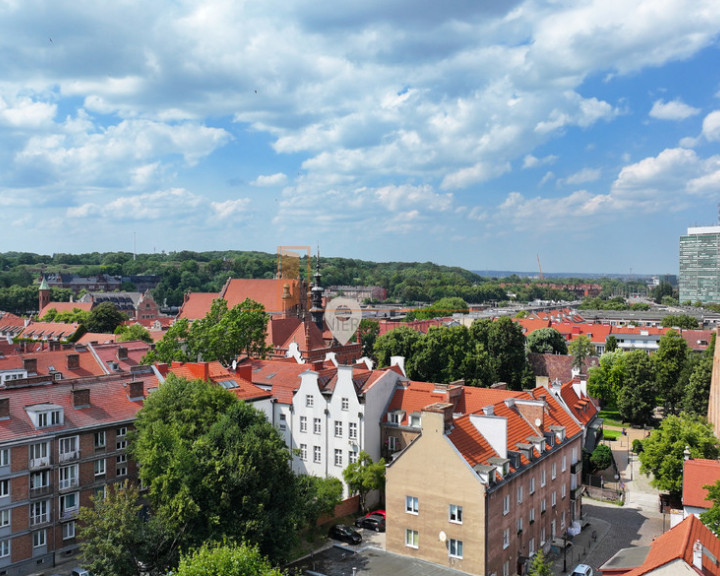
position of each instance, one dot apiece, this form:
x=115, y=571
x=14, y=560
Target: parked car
x=582, y=570
x=80, y=572
x=345, y=534
x=371, y=522
x=376, y=512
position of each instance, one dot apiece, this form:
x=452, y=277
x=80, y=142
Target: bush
x=637, y=446
x=611, y=434
x=601, y=457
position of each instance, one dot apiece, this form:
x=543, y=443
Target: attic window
x=45, y=415
x=228, y=384
x=415, y=419
x=396, y=416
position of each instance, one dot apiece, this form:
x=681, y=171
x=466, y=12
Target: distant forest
x=180, y=272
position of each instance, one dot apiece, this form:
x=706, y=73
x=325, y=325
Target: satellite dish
x=234, y=365
x=538, y=422
x=442, y=536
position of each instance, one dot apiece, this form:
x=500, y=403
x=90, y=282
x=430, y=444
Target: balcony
x=69, y=456
x=39, y=463
x=39, y=491
x=68, y=513
x=68, y=484
x=576, y=493
x=40, y=519
x=575, y=468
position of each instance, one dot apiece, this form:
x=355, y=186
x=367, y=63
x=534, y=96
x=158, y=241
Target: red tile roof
x=96, y=338
x=49, y=331
x=529, y=325
x=218, y=374
x=109, y=402
x=111, y=355
x=197, y=305
x=696, y=474
x=678, y=544
x=697, y=340
x=598, y=333
x=557, y=366
x=582, y=406
x=65, y=307
x=267, y=292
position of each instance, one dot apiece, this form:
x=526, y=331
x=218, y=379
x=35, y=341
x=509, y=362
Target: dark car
x=371, y=522
x=376, y=513
x=345, y=534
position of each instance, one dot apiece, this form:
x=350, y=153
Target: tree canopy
x=216, y=468
x=581, y=348
x=663, y=451
x=601, y=458
x=711, y=518
x=684, y=321
x=133, y=332
x=546, y=341
x=365, y=475
x=104, y=318
x=671, y=375
x=225, y=560
x=636, y=397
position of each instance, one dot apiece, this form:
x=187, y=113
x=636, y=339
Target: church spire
x=317, y=311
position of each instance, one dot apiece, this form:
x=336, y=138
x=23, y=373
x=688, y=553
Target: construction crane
x=540, y=267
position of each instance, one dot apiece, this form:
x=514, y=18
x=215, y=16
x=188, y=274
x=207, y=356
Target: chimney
x=136, y=390
x=30, y=365
x=244, y=371
x=73, y=361
x=442, y=408
x=4, y=408
x=81, y=398
x=697, y=555
x=398, y=361
x=122, y=353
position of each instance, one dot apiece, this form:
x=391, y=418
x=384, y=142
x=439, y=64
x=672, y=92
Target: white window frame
x=563, y=491
x=309, y=400
x=63, y=503
x=338, y=428
x=531, y=546
x=542, y=478
x=5, y=457
x=519, y=494
x=69, y=448
x=39, y=538
x=4, y=488
x=39, y=512
x=303, y=452
x=338, y=457
x=100, y=467
x=563, y=466
x=455, y=514
x=317, y=426
x=99, y=439
x=317, y=454
x=352, y=457
x=553, y=499
x=412, y=505
x=5, y=517
x=506, y=504
x=68, y=530
x=553, y=474
x=68, y=476
x=455, y=548
x=506, y=538
x=353, y=430
x=345, y=404
x=520, y=524
x=412, y=538
x=393, y=443
x=303, y=423
x=532, y=485
x=531, y=516
x=5, y=548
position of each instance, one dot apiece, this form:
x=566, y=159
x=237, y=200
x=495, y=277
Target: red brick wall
x=346, y=507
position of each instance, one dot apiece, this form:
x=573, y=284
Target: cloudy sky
x=476, y=133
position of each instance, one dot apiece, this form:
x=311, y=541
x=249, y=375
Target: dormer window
x=45, y=415
x=396, y=416
x=415, y=419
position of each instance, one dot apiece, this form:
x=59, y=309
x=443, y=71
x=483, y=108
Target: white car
x=582, y=570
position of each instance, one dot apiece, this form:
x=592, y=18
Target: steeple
x=317, y=311
x=43, y=294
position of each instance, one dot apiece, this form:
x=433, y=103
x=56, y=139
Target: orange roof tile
x=678, y=544
x=218, y=374
x=267, y=292
x=65, y=307
x=197, y=305
x=49, y=330
x=696, y=474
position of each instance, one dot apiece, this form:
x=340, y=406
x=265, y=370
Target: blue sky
x=478, y=134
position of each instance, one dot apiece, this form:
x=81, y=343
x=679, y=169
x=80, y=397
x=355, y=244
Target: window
x=345, y=404
x=4, y=518
x=532, y=515
x=309, y=400
x=39, y=480
x=542, y=535
x=99, y=466
x=563, y=490
x=562, y=521
x=48, y=418
x=4, y=548
x=4, y=488
x=303, y=423
x=506, y=568
x=121, y=459
x=68, y=448
x=411, y=504
x=303, y=452
x=338, y=428
x=455, y=514
x=121, y=432
x=531, y=547
x=554, y=470
x=532, y=485
x=317, y=425
x=68, y=477
x=282, y=422
x=68, y=504
x=506, y=505
x=411, y=538
x=39, y=538
x=338, y=457
x=455, y=548
x=542, y=477
x=564, y=464
x=39, y=454
x=100, y=493
x=543, y=506
x=519, y=494
x=519, y=525
x=574, y=455
x=39, y=513
x=5, y=457
x=352, y=430
x=120, y=443
x=393, y=444
x=317, y=455
x=352, y=456
x=121, y=471
x=68, y=530
x=100, y=439
x=506, y=538
x=553, y=499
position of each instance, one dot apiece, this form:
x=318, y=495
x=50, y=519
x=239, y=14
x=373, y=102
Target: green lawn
x=612, y=418
x=611, y=434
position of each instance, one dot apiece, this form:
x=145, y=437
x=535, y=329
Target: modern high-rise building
x=700, y=265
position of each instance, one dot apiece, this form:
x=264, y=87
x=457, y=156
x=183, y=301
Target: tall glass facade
x=700, y=265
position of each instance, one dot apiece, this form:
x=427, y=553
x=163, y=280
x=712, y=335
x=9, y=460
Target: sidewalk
x=582, y=545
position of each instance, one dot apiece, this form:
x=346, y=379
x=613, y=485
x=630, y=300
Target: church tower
x=43, y=294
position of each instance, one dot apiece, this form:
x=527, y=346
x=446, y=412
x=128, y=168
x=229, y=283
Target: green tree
x=601, y=458
x=546, y=341
x=711, y=518
x=684, y=321
x=440, y=308
x=442, y=355
x=663, y=451
x=172, y=346
x=540, y=565
x=662, y=290
x=401, y=341
x=365, y=475
x=607, y=378
x=670, y=370
x=225, y=560
x=132, y=333
x=636, y=398
x=319, y=496
x=114, y=537
x=104, y=318
x=499, y=354
x=697, y=393
x=367, y=334
x=580, y=349
x=216, y=468
x=611, y=344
